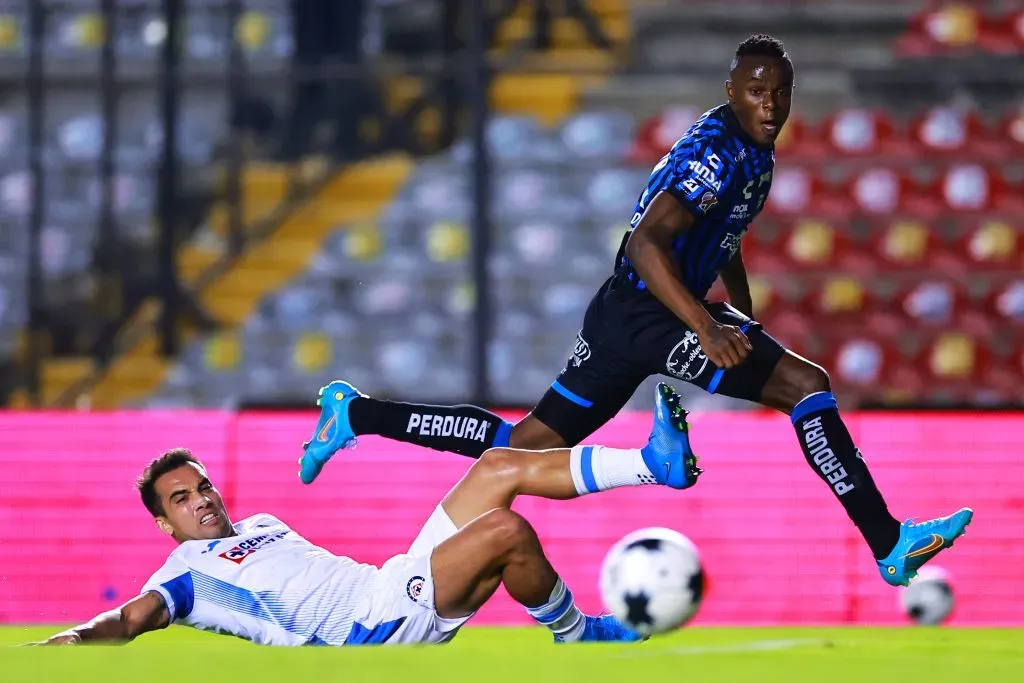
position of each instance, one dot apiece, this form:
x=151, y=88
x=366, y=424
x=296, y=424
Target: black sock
x=829, y=449
x=466, y=430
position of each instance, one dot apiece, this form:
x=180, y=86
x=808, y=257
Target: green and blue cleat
x=333, y=430
x=668, y=454
x=920, y=542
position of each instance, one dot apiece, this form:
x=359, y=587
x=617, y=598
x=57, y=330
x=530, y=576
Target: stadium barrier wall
x=778, y=549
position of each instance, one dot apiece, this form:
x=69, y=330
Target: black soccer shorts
x=627, y=336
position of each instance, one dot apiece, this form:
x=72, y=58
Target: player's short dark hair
x=167, y=462
x=760, y=45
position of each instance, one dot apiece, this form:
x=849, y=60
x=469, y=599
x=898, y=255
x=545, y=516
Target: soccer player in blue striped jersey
x=652, y=317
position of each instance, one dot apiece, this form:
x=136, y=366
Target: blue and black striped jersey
x=719, y=174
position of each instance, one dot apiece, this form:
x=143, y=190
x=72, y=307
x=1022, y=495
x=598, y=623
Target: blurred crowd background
x=228, y=203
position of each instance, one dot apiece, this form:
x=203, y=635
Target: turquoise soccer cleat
x=668, y=454
x=333, y=430
x=919, y=543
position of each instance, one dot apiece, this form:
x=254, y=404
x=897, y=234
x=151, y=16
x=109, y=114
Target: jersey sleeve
x=173, y=582
x=701, y=174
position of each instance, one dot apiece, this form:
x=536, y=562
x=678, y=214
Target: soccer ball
x=928, y=600
x=652, y=580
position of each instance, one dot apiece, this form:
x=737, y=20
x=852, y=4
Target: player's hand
x=724, y=345
x=65, y=638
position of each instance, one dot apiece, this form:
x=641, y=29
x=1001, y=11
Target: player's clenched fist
x=725, y=345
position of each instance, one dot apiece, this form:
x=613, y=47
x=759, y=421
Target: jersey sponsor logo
x=581, y=351
x=708, y=201
x=244, y=549
x=687, y=359
x=740, y=212
x=705, y=175
x=414, y=589
x=764, y=178
x=426, y=424
x=731, y=243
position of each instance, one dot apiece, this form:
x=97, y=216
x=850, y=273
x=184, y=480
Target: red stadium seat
x=766, y=298
x=861, y=361
x=800, y=141
x=843, y=305
x=796, y=191
x=820, y=245
x=1005, y=302
x=1015, y=27
x=1011, y=131
x=887, y=191
x=993, y=244
x=905, y=244
x=864, y=133
x=657, y=134
x=955, y=133
x=975, y=188
x=760, y=254
x=950, y=26
x=955, y=363
x=942, y=304
x=1002, y=34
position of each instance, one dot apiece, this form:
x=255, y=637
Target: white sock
x=560, y=614
x=596, y=468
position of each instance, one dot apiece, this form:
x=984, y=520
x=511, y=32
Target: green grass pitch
x=526, y=655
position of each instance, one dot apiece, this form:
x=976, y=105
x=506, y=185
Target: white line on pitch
x=727, y=648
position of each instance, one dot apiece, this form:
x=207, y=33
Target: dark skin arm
x=137, y=616
x=734, y=277
x=649, y=249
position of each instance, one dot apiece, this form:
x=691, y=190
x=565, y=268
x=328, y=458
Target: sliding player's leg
x=501, y=548
x=475, y=543
x=501, y=474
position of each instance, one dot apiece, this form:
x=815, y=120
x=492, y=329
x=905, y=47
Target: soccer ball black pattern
x=928, y=600
x=653, y=581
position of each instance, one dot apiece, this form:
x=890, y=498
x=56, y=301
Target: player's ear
x=164, y=526
x=729, y=92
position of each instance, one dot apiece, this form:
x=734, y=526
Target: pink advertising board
x=778, y=549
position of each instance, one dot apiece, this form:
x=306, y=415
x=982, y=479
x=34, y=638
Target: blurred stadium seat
x=894, y=217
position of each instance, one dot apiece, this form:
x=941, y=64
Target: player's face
x=193, y=509
x=761, y=94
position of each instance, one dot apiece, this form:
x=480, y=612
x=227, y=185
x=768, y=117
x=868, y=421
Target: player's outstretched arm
x=145, y=613
x=734, y=277
x=649, y=250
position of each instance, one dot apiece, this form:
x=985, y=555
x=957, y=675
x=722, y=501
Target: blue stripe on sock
x=502, y=435
x=587, y=469
x=815, y=403
x=575, y=398
x=545, y=614
x=720, y=372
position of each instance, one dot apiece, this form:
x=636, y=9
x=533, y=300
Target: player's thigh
x=675, y=351
x=466, y=568
x=595, y=384
x=748, y=379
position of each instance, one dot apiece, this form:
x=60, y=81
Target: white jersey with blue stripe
x=266, y=584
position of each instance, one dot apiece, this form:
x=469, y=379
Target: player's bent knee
x=507, y=530
x=808, y=378
x=497, y=465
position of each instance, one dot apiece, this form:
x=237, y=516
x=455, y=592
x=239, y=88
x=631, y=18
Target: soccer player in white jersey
x=259, y=580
